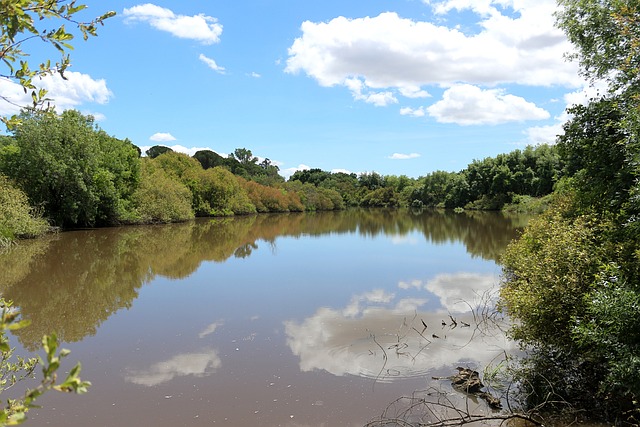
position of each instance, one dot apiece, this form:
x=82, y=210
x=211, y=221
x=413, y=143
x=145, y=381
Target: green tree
x=44, y=20
x=209, y=159
x=161, y=197
x=244, y=156
x=606, y=36
x=573, y=279
x=74, y=171
x=157, y=150
x=217, y=192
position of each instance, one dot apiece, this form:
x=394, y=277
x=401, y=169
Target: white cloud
x=360, y=92
x=544, y=134
x=399, y=156
x=98, y=117
x=348, y=172
x=413, y=112
x=414, y=92
x=469, y=105
x=517, y=43
x=202, y=28
x=212, y=64
x=548, y=134
x=14, y=97
x=417, y=284
x=75, y=90
x=379, y=99
x=286, y=173
x=254, y=75
x=162, y=137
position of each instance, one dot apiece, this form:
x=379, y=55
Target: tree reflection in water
x=74, y=281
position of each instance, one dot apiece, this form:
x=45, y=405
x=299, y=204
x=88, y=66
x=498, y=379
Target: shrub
x=159, y=198
x=548, y=271
x=266, y=199
x=17, y=218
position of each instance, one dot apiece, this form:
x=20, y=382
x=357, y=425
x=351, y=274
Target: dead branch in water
x=432, y=407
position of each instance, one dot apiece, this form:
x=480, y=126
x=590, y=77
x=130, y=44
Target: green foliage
x=17, y=217
x=244, y=156
x=312, y=198
x=177, y=164
x=43, y=20
x=78, y=174
x=214, y=191
x=381, y=198
x=606, y=36
x=548, y=271
x=488, y=184
x=217, y=192
x=243, y=163
x=160, y=197
x=12, y=372
x=573, y=280
x=157, y=150
x=608, y=332
x=312, y=176
x=529, y=204
x=209, y=159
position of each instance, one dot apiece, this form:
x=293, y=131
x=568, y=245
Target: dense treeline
x=65, y=169
x=488, y=184
x=573, y=279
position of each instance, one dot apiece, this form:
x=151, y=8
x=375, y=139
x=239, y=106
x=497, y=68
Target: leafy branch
x=15, y=410
x=18, y=25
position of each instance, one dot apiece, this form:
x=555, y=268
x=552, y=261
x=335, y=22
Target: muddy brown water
x=312, y=319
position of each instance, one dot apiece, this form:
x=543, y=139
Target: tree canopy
x=572, y=281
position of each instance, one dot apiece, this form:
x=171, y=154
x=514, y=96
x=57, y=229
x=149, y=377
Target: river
x=312, y=319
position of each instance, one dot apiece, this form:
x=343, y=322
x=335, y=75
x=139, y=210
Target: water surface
x=292, y=320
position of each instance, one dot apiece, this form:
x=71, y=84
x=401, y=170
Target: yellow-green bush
x=17, y=217
x=160, y=198
x=548, y=271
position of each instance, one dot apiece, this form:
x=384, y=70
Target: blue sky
x=392, y=86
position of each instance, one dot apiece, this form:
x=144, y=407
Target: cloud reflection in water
x=199, y=364
x=381, y=335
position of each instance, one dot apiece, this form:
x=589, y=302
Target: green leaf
x=19, y=325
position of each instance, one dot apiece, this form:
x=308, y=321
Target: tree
x=244, y=156
x=161, y=197
x=73, y=170
x=157, y=150
x=209, y=159
x=573, y=279
x=25, y=20
x=606, y=36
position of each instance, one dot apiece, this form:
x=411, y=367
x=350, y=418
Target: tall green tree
x=573, y=279
x=606, y=36
x=70, y=168
x=157, y=150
